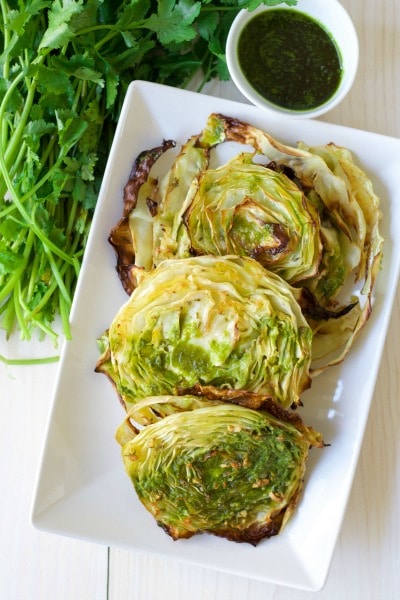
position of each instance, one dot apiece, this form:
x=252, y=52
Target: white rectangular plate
x=82, y=489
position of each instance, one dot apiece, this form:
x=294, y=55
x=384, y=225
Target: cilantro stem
x=33, y=278
x=6, y=35
x=71, y=217
x=57, y=276
x=48, y=331
x=64, y=313
x=9, y=319
x=46, y=297
x=18, y=312
x=8, y=95
x=18, y=240
x=16, y=138
x=28, y=361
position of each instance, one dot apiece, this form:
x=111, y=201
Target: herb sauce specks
x=289, y=59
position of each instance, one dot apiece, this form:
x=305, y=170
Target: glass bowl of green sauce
x=298, y=61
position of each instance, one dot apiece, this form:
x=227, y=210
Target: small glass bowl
x=331, y=15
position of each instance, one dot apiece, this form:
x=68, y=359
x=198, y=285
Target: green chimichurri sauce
x=289, y=59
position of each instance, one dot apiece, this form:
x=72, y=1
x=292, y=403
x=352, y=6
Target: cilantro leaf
x=58, y=32
x=35, y=130
x=173, y=21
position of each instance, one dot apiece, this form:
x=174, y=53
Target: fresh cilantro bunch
x=65, y=66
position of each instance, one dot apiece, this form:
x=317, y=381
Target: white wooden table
x=366, y=563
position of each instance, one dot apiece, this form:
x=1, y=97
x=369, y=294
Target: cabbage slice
x=251, y=210
x=224, y=469
x=217, y=323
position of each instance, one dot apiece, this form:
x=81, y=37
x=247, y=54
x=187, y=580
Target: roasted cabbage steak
x=217, y=325
x=224, y=469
